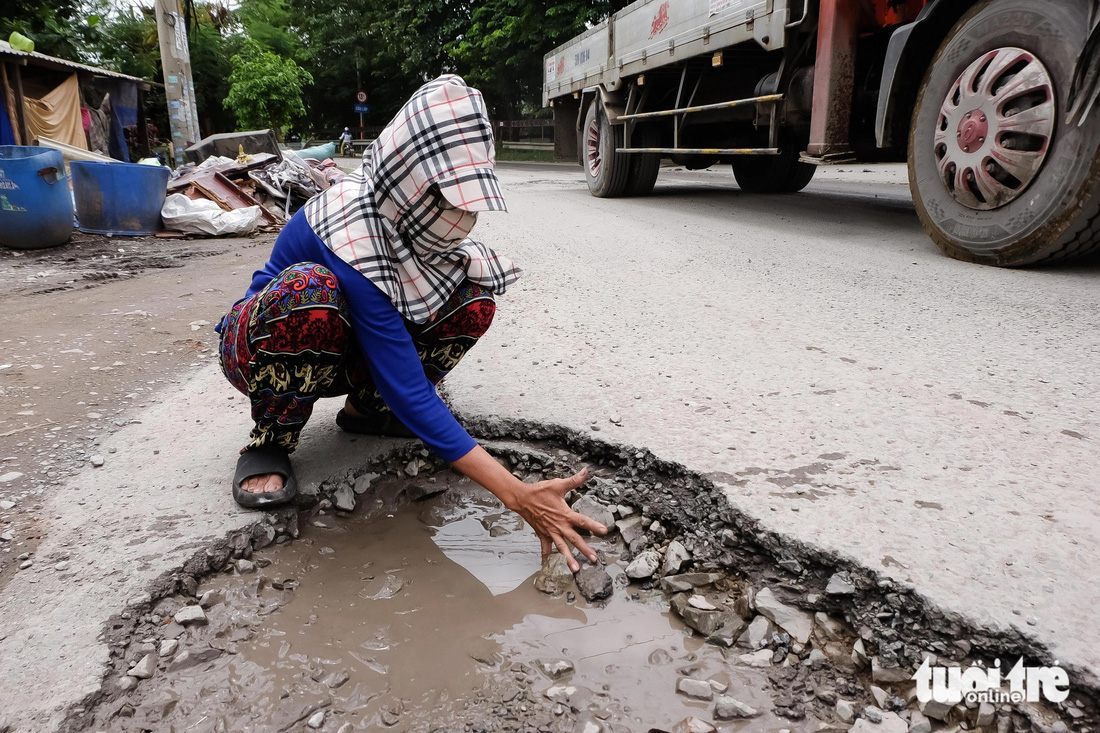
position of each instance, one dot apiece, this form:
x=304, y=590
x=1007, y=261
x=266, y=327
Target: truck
x=991, y=103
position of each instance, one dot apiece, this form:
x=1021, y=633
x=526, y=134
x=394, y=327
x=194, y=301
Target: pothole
x=404, y=597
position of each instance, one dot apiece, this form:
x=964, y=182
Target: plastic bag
x=205, y=217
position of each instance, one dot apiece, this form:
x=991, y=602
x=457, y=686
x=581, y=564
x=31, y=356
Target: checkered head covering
x=421, y=184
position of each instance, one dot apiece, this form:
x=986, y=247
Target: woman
x=373, y=291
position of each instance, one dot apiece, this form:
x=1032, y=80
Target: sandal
x=381, y=423
x=265, y=459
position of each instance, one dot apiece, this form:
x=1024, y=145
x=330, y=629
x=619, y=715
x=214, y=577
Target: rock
x=705, y=622
x=831, y=629
x=245, y=567
x=936, y=710
x=633, y=533
x=316, y=720
x=873, y=714
x=423, y=492
x=890, y=723
x=125, y=683
x=168, y=647
x=560, y=692
x=594, y=510
x=815, y=659
x=346, y=728
x=795, y=622
x=880, y=695
x=644, y=565
x=859, y=654
x=6, y=505
x=344, y=498
x=587, y=726
x=7, y=478
x=555, y=668
x=97, y=461
x=918, y=723
x=190, y=615
x=555, y=577
x=986, y=711
x=211, y=598
x=144, y=669
x=758, y=631
x=594, y=583
x=699, y=689
x=760, y=658
x=687, y=581
x=717, y=686
x=728, y=708
x=413, y=468
x=693, y=725
x=701, y=603
x=363, y=483
x=7, y=536
x=336, y=679
x=845, y=711
x=675, y=557
x=839, y=585
x=882, y=673
x=730, y=628
x=61, y=566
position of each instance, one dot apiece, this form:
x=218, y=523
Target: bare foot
x=262, y=484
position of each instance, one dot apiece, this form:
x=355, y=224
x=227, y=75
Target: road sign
x=361, y=97
x=362, y=109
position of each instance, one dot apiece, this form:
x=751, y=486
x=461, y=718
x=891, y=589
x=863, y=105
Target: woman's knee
x=304, y=304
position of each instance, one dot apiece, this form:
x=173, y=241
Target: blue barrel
x=118, y=198
x=36, y=209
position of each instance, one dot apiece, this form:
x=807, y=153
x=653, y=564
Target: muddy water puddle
x=425, y=616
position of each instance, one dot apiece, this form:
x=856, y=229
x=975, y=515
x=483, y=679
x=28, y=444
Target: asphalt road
x=814, y=354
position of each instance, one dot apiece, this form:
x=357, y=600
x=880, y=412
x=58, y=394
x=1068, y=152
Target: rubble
x=644, y=565
x=594, y=583
x=699, y=689
x=728, y=708
x=555, y=577
x=795, y=622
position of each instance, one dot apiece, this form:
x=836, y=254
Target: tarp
x=57, y=114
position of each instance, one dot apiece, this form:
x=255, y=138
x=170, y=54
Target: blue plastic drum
x=36, y=209
x=119, y=198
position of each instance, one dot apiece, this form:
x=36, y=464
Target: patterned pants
x=290, y=344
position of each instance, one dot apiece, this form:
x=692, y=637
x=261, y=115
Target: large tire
x=644, y=167
x=782, y=173
x=985, y=191
x=605, y=170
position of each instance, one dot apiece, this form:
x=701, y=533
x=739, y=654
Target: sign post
x=361, y=108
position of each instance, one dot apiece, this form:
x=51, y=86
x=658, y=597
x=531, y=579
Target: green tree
x=265, y=90
x=63, y=28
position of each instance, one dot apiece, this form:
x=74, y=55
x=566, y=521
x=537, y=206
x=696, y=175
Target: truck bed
x=649, y=34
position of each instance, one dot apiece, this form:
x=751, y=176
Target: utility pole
x=179, y=84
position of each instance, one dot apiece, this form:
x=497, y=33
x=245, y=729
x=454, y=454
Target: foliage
x=63, y=28
x=265, y=90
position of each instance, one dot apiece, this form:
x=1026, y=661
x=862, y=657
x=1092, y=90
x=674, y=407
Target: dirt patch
x=425, y=617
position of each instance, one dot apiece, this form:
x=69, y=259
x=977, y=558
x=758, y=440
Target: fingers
x=563, y=548
x=544, y=541
x=575, y=481
x=575, y=540
x=585, y=522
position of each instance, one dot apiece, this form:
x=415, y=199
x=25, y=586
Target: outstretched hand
x=542, y=505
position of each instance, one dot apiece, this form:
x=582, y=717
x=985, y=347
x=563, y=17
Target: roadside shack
x=84, y=108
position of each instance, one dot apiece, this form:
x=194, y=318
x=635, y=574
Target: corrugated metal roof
x=52, y=61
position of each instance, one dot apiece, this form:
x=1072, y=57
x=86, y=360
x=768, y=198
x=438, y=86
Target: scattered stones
x=986, y=711
x=556, y=668
x=845, y=711
x=97, y=461
x=632, y=532
x=795, y=622
x=705, y=622
x=6, y=505
x=594, y=583
x=880, y=695
x=890, y=723
x=699, y=689
x=145, y=668
x=839, y=585
x=190, y=615
x=413, y=468
x=555, y=577
x=245, y=566
x=61, y=566
x=644, y=565
x=937, y=710
x=758, y=631
x=211, y=598
x=422, y=492
x=168, y=647
x=859, y=655
x=701, y=603
x=316, y=720
x=125, y=684
x=728, y=708
x=7, y=478
x=344, y=498
x=918, y=723
x=873, y=714
x=336, y=679
x=881, y=673
x=760, y=658
x=594, y=510
x=815, y=659
x=730, y=628
x=687, y=581
x=675, y=557
x=830, y=628
x=693, y=725
x=6, y=536
x=362, y=484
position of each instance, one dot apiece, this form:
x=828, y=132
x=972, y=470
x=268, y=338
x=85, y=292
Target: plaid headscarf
x=373, y=219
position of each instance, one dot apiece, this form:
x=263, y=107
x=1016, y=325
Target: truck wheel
x=644, y=167
x=999, y=175
x=605, y=170
x=781, y=173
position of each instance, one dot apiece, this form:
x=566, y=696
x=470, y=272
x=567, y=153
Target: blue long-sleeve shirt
x=385, y=342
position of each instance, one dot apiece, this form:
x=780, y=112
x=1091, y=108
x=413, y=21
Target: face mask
x=434, y=223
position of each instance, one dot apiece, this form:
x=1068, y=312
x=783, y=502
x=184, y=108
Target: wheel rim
x=995, y=129
x=592, y=147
